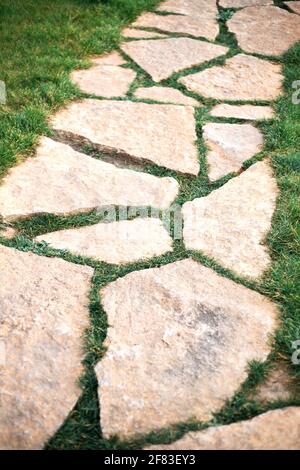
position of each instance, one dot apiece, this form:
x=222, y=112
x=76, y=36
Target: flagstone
x=243, y=77
x=60, y=181
x=166, y=95
x=139, y=33
x=44, y=314
x=195, y=8
x=161, y=134
x=294, y=6
x=8, y=232
x=119, y=242
x=265, y=30
x=231, y=223
x=243, y=3
x=244, y=111
x=229, y=145
x=160, y=58
x=274, y=430
x=110, y=58
x=184, y=331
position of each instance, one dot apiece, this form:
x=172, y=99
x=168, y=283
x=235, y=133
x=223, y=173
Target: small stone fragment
x=294, y=6
x=184, y=331
x=165, y=95
x=112, y=58
x=243, y=3
x=8, y=232
x=277, y=386
x=243, y=77
x=229, y=145
x=140, y=34
x=163, y=57
x=244, y=111
x=231, y=223
x=121, y=242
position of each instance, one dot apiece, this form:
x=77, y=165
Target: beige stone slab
x=140, y=34
x=161, y=134
x=243, y=3
x=195, y=8
x=274, y=430
x=244, y=111
x=8, y=232
x=205, y=26
x=109, y=81
x=229, y=145
x=166, y=95
x=60, y=181
x=243, y=77
x=294, y=6
x=231, y=223
x=44, y=314
x=163, y=57
x=277, y=386
x=265, y=30
x=185, y=329
x=120, y=242
x=111, y=58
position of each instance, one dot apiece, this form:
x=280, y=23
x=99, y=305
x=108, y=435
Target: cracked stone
x=231, y=223
x=140, y=34
x=175, y=361
x=166, y=95
x=44, y=314
x=163, y=57
x=294, y=6
x=229, y=145
x=243, y=77
x=166, y=133
x=60, y=181
x=244, y=111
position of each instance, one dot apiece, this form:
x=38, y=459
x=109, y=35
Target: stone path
x=180, y=335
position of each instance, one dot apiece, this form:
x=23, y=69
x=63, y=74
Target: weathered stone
x=8, y=232
x=104, y=80
x=229, y=145
x=112, y=58
x=277, y=386
x=60, y=180
x=294, y=6
x=163, y=57
x=121, y=242
x=243, y=3
x=244, y=111
x=195, y=8
x=205, y=26
x=184, y=331
x=166, y=133
x=140, y=34
x=243, y=77
x=231, y=223
x=44, y=314
x=265, y=30
x=165, y=95
x=274, y=430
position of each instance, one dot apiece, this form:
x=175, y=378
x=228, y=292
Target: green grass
x=36, y=74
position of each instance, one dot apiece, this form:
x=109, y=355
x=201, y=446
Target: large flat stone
x=140, y=34
x=165, y=95
x=60, y=180
x=243, y=3
x=205, y=26
x=265, y=30
x=243, y=77
x=274, y=430
x=294, y=6
x=243, y=111
x=121, y=242
x=163, y=57
x=230, y=225
x=185, y=328
x=195, y=8
x=229, y=145
x=161, y=134
x=44, y=314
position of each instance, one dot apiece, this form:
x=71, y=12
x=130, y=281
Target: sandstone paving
x=165, y=95
x=243, y=3
x=59, y=180
x=140, y=34
x=244, y=111
x=187, y=345
x=195, y=8
x=294, y=6
x=161, y=134
x=110, y=58
x=232, y=222
x=44, y=314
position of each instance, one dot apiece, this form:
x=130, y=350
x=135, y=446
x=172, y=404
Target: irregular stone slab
x=276, y=387
x=61, y=181
x=165, y=95
x=274, y=430
x=229, y=145
x=104, y=80
x=205, y=26
x=231, y=223
x=195, y=8
x=166, y=133
x=265, y=30
x=112, y=58
x=243, y=3
x=140, y=34
x=244, y=111
x=184, y=331
x=163, y=57
x=294, y=6
x=8, y=232
x=243, y=77
x=44, y=314
x=121, y=242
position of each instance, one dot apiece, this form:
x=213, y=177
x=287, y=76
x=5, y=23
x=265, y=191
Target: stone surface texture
x=44, y=314
x=165, y=95
x=166, y=133
x=231, y=223
x=229, y=145
x=294, y=6
x=140, y=34
x=120, y=242
x=111, y=58
x=265, y=30
x=184, y=331
x=160, y=58
x=195, y=8
x=277, y=386
x=274, y=430
x=243, y=3
x=243, y=77
x=8, y=232
x=244, y=111
x=60, y=180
